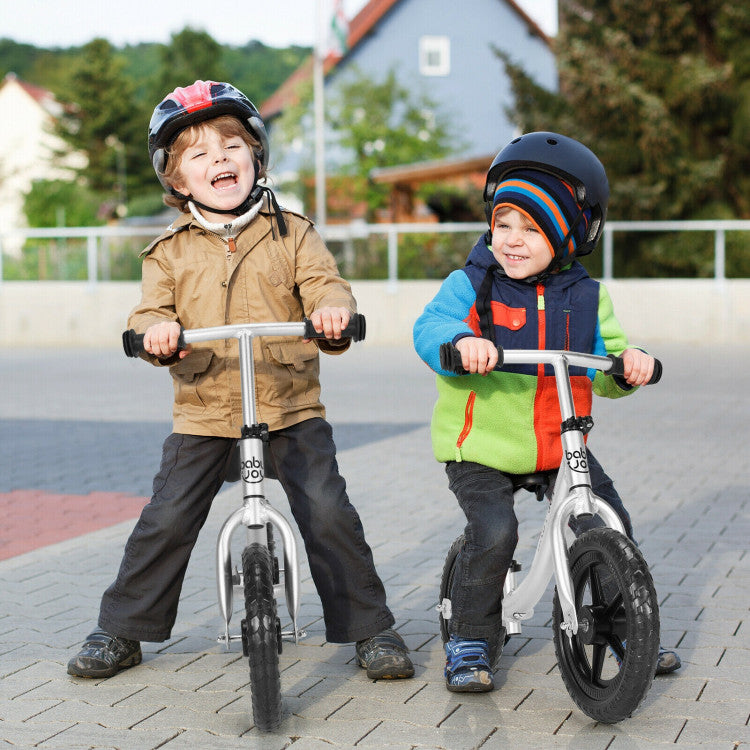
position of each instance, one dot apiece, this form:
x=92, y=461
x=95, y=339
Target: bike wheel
x=446, y=587
x=608, y=666
x=261, y=636
x=446, y=583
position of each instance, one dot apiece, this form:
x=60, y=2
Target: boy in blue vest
x=521, y=288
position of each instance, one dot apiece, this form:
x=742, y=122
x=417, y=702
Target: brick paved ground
x=677, y=453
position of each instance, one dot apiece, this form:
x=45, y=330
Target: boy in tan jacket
x=235, y=256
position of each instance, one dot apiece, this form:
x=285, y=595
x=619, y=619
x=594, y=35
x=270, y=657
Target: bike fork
x=254, y=514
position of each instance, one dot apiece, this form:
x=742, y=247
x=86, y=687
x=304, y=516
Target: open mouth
x=515, y=258
x=224, y=180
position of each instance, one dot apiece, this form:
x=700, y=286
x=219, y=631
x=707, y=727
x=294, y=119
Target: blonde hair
x=228, y=127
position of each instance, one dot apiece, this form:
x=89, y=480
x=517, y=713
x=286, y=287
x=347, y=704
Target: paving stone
x=692, y=524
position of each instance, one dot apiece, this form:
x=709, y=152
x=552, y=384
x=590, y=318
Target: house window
x=434, y=55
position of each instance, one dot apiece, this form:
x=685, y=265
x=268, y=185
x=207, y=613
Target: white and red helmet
x=202, y=100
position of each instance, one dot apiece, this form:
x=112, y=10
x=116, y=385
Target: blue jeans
x=491, y=534
x=142, y=602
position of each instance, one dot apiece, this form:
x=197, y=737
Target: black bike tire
x=261, y=631
x=446, y=583
x=627, y=613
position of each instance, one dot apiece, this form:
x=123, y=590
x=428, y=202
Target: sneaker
x=104, y=655
x=385, y=656
x=467, y=666
x=667, y=662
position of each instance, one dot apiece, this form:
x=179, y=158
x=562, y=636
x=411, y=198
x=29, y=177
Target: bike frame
x=572, y=495
x=255, y=511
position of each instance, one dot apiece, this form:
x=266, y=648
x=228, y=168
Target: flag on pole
x=339, y=30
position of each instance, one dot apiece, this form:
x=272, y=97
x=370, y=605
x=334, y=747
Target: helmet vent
x=552, y=141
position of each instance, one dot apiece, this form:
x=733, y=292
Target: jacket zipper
x=542, y=331
x=468, y=423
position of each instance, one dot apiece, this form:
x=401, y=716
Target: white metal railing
x=718, y=227
x=347, y=233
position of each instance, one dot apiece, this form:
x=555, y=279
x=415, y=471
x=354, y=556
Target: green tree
x=55, y=203
x=191, y=55
x=661, y=92
x=258, y=70
x=98, y=118
x=373, y=124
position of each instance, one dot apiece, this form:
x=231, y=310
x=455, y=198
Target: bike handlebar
x=450, y=360
x=132, y=342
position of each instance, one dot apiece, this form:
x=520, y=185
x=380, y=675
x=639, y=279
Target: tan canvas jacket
x=190, y=276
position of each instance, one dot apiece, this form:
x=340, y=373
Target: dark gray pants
x=486, y=498
x=142, y=602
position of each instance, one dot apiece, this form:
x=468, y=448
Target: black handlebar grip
x=618, y=368
x=618, y=365
x=450, y=359
x=132, y=342
x=656, y=376
x=354, y=330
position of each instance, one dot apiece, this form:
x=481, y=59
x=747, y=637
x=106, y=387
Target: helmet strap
x=559, y=258
x=255, y=195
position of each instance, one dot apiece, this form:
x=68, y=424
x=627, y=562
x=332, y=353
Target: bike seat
x=536, y=483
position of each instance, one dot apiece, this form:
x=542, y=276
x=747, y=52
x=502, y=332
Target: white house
x=27, y=148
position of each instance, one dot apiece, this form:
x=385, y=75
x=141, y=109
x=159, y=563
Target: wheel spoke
x=595, y=584
x=616, y=644
x=619, y=625
x=597, y=662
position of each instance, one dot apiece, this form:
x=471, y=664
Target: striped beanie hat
x=550, y=205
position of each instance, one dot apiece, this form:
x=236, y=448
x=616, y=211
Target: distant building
x=444, y=49
x=28, y=147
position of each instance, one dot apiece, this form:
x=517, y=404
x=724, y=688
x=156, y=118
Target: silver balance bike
x=260, y=578
x=605, y=612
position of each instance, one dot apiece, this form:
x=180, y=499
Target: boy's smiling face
x=216, y=170
x=518, y=246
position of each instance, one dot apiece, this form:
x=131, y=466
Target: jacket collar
x=481, y=257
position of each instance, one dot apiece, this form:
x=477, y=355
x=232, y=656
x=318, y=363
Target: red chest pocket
x=508, y=317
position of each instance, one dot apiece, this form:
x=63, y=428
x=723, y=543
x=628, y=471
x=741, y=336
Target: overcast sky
x=278, y=23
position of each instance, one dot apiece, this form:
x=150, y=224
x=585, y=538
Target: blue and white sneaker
x=467, y=665
x=668, y=661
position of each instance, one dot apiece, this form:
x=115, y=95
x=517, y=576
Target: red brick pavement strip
x=34, y=518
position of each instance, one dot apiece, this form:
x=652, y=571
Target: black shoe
x=385, y=656
x=104, y=655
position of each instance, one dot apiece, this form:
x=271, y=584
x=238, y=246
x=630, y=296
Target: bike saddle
x=536, y=483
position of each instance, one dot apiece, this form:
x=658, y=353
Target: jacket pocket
x=187, y=375
x=294, y=377
x=513, y=318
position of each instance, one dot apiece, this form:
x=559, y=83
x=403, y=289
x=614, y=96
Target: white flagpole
x=318, y=95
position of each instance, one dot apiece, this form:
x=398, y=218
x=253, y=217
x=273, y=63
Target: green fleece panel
x=616, y=342
x=502, y=434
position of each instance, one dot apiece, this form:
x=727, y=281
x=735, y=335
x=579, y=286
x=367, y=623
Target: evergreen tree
x=191, y=55
x=661, y=92
x=97, y=117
